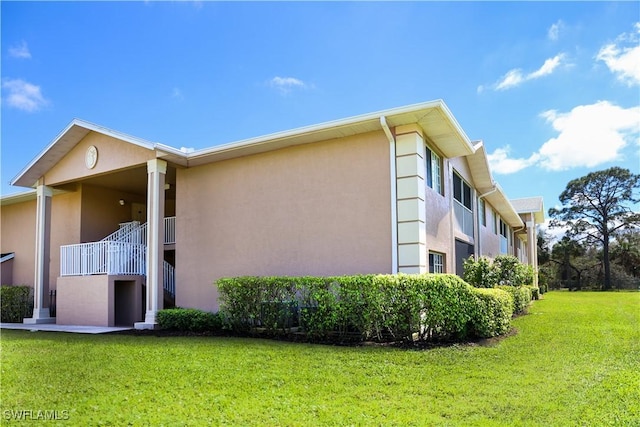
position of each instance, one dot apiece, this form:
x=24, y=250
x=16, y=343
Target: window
x=462, y=192
x=482, y=212
x=494, y=222
x=434, y=171
x=504, y=229
x=436, y=262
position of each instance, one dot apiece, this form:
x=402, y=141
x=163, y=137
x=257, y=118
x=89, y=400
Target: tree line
x=600, y=249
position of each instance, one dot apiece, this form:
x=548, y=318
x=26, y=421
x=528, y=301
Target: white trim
x=40, y=313
x=89, y=127
x=394, y=196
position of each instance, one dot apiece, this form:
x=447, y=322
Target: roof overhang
x=503, y=206
x=479, y=168
x=530, y=205
x=63, y=144
x=488, y=188
x=434, y=118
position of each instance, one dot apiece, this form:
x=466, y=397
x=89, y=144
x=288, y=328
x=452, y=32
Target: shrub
x=504, y=270
x=521, y=297
x=241, y=298
x=448, y=306
x=535, y=292
x=16, y=303
x=478, y=273
x=493, y=312
x=319, y=307
x=189, y=319
x=360, y=307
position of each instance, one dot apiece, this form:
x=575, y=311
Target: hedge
x=494, y=312
x=521, y=297
x=404, y=307
x=189, y=319
x=16, y=303
x=503, y=270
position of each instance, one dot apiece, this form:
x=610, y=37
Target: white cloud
x=500, y=163
x=623, y=61
x=554, y=30
x=286, y=84
x=589, y=135
x=547, y=68
x=515, y=77
x=20, y=51
x=23, y=95
x=511, y=79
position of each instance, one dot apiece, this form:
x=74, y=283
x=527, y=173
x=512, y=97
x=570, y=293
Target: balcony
x=464, y=218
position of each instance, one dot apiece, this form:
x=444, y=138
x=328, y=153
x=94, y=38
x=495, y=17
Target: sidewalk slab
x=78, y=329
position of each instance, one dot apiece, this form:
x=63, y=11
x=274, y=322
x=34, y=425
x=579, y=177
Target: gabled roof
x=479, y=168
x=434, y=117
x=534, y=205
x=63, y=144
x=488, y=188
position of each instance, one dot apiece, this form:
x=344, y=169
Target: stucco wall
x=65, y=229
x=316, y=209
x=90, y=300
x=438, y=219
x=17, y=234
x=101, y=212
x=489, y=240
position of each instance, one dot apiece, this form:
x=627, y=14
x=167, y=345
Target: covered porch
x=105, y=228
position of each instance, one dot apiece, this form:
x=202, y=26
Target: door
x=463, y=251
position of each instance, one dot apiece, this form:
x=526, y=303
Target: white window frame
x=435, y=167
x=437, y=267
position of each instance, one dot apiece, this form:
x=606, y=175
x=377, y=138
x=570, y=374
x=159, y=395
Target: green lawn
x=575, y=360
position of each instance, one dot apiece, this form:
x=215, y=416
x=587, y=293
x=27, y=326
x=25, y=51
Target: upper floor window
x=482, y=212
x=462, y=192
x=504, y=229
x=494, y=221
x=434, y=171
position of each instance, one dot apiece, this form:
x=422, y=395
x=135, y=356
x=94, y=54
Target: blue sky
x=553, y=89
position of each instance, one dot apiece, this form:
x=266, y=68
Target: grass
x=575, y=360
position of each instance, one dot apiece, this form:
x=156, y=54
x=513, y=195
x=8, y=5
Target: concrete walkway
x=64, y=328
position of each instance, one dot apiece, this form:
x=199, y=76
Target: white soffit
x=434, y=117
x=500, y=203
x=534, y=205
x=479, y=168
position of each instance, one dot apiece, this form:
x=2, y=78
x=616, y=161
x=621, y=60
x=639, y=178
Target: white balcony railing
x=169, y=278
x=464, y=218
x=169, y=230
x=104, y=257
x=122, y=252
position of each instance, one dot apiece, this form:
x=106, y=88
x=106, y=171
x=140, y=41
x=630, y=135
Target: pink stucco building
x=120, y=226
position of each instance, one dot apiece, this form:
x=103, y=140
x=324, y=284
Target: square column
x=532, y=242
x=41, y=279
x=411, y=207
x=156, y=172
